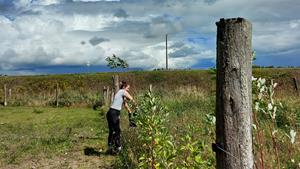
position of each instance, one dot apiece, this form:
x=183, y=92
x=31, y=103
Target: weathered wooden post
x=234, y=95
x=56, y=95
x=5, y=95
x=105, y=95
x=108, y=95
x=9, y=93
x=112, y=96
x=296, y=84
x=116, y=87
x=116, y=83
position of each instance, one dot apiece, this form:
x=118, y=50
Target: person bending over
x=113, y=117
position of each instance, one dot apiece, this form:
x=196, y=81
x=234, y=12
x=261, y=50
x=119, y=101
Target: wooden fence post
x=296, y=83
x=233, y=145
x=112, y=96
x=108, y=95
x=116, y=83
x=5, y=95
x=56, y=95
x=105, y=100
x=9, y=94
x=116, y=87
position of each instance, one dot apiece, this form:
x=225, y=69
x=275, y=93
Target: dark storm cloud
x=7, y=8
x=177, y=45
x=5, y=59
x=30, y=12
x=4, y=4
x=121, y=13
x=290, y=59
x=210, y=2
x=183, y=52
x=10, y=53
x=97, y=40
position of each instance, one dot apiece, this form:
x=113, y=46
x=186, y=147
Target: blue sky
x=62, y=36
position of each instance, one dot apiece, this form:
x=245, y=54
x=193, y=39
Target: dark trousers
x=113, y=119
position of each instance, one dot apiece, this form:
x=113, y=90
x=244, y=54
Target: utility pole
x=167, y=66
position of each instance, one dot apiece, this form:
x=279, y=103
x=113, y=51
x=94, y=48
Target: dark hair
x=123, y=84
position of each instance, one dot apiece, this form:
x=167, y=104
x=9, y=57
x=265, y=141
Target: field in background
x=57, y=137
x=86, y=89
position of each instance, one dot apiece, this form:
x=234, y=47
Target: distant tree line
x=257, y=66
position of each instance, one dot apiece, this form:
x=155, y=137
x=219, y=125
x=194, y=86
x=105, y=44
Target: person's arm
x=127, y=107
x=129, y=97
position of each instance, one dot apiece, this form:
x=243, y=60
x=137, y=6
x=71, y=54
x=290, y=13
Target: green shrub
x=151, y=144
x=76, y=98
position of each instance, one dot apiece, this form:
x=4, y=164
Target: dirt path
x=78, y=158
x=56, y=138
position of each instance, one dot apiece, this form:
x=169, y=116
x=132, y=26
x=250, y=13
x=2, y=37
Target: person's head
x=124, y=85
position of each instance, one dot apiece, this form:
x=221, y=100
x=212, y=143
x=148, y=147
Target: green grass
x=36, y=134
x=43, y=135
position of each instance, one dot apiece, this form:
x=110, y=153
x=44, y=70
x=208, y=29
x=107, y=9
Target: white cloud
x=95, y=0
x=47, y=2
x=294, y=24
x=60, y=32
x=273, y=37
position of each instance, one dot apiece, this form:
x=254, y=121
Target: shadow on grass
x=90, y=151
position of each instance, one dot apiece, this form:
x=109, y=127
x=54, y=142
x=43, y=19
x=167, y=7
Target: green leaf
x=198, y=159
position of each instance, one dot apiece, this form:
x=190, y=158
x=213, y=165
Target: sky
x=63, y=36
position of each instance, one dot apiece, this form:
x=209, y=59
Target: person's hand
x=129, y=115
x=135, y=104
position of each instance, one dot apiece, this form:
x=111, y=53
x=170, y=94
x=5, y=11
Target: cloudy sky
x=62, y=36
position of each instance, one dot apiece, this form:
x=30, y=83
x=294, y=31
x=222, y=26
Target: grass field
x=45, y=137
x=86, y=89
x=52, y=138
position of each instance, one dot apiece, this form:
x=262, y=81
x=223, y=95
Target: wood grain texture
x=234, y=94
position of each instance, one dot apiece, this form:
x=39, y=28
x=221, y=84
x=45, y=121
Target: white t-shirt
x=118, y=100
